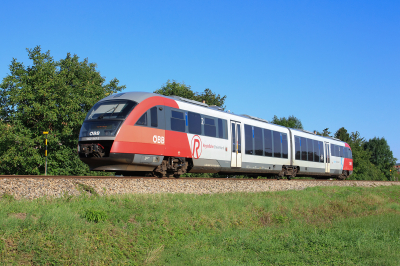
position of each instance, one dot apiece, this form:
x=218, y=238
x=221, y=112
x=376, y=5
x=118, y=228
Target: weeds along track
x=31, y=187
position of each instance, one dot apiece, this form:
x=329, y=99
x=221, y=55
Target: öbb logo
x=196, y=146
x=94, y=133
x=158, y=139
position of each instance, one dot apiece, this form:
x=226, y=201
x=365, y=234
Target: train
x=147, y=134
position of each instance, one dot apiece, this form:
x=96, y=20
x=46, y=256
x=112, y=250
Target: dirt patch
x=20, y=215
x=132, y=220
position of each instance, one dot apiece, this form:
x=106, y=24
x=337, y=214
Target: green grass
x=315, y=226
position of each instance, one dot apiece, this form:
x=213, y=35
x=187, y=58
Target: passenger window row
x=308, y=149
x=265, y=142
x=195, y=123
x=340, y=151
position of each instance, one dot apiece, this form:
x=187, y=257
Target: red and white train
x=139, y=133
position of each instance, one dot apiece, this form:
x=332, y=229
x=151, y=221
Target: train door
x=328, y=158
x=236, y=160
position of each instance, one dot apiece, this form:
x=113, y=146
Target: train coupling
x=92, y=150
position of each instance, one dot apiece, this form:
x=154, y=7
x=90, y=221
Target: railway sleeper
x=171, y=167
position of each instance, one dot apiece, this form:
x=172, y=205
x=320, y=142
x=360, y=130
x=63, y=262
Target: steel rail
x=172, y=178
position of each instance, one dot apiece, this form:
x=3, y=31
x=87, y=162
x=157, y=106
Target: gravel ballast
x=31, y=188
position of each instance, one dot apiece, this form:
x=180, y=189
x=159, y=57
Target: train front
x=102, y=126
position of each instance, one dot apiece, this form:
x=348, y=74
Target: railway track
x=32, y=187
x=181, y=178
x=156, y=178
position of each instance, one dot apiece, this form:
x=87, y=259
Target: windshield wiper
x=112, y=109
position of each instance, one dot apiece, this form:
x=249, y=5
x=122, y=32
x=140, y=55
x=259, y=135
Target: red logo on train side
x=196, y=146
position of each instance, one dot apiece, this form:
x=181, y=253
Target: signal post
x=45, y=152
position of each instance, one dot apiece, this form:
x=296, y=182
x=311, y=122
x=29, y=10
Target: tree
x=325, y=132
x=185, y=91
x=52, y=96
x=381, y=155
x=291, y=121
x=342, y=134
x=363, y=169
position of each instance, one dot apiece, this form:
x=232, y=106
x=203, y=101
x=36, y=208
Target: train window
x=248, y=139
x=321, y=151
x=347, y=153
x=303, y=144
x=333, y=149
x=310, y=150
x=209, y=121
x=284, y=145
x=153, y=115
x=316, y=151
x=297, y=147
x=267, y=142
x=177, y=121
x=341, y=150
x=220, y=129
x=277, y=144
x=209, y=127
x=337, y=150
x=258, y=141
x=142, y=120
x=350, y=154
x=194, y=120
x=114, y=109
x=178, y=115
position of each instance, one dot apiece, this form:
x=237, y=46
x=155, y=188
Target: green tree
x=381, y=155
x=363, y=169
x=185, y=91
x=342, y=134
x=325, y=132
x=52, y=96
x=291, y=121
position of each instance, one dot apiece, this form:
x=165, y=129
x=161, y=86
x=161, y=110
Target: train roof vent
x=189, y=101
x=216, y=107
x=118, y=95
x=255, y=118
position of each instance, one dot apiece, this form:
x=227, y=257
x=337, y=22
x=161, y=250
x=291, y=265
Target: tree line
x=55, y=96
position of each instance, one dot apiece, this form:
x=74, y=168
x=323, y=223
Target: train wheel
x=159, y=175
x=177, y=176
x=343, y=176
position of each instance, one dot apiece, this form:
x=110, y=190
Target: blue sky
x=329, y=63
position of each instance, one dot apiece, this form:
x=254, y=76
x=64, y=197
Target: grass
x=315, y=226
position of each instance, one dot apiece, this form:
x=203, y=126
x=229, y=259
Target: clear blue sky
x=329, y=63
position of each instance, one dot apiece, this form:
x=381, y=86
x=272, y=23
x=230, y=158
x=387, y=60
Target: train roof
x=311, y=133
x=138, y=96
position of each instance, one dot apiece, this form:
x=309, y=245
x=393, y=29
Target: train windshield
x=116, y=109
x=105, y=118
x=99, y=128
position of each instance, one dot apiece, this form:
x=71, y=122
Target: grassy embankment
x=320, y=226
